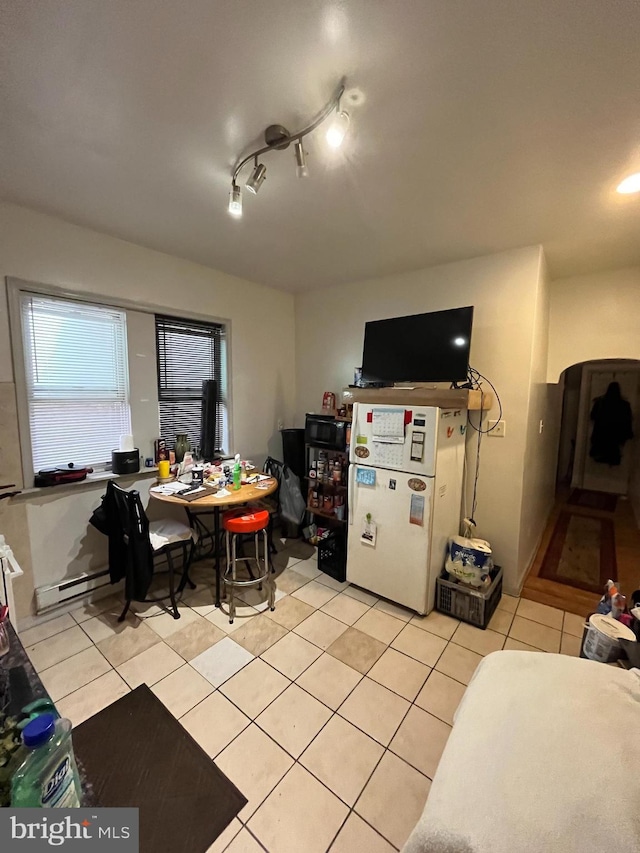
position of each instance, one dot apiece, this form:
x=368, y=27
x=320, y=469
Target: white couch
x=544, y=757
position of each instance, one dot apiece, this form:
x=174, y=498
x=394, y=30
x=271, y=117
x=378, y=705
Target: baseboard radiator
x=55, y=594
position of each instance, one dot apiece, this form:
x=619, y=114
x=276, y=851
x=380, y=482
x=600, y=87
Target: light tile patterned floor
x=330, y=714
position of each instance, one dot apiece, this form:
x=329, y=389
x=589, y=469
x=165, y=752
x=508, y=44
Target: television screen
x=430, y=347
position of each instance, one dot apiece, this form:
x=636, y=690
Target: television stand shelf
x=417, y=395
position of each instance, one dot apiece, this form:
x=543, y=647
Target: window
x=76, y=375
x=188, y=353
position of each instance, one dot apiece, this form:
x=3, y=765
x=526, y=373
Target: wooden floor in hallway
x=578, y=601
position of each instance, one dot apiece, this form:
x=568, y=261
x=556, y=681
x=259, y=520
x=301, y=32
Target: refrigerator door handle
x=350, y=492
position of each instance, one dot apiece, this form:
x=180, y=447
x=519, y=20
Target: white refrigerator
x=405, y=494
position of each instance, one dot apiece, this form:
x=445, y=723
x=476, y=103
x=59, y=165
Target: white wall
x=570, y=384
x=504, y=290
x=541, y=452
x=44, y=249
x=592, y=317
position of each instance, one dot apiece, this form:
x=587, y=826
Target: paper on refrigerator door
x=388, y=455
x=366, y=476
x=388, y=425
x=369, y=531
x=416, y=511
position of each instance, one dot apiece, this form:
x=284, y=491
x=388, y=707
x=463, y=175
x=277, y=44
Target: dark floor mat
x=581, y=552
x=593, y=500
x=135, y=753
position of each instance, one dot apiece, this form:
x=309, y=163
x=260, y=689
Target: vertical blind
x=189, y=352
x=77, y=380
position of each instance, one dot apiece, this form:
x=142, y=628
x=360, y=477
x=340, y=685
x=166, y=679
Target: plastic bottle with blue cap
x=237, y=473
x=48, y=776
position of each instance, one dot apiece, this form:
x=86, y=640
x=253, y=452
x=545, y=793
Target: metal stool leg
x=269, y=580
x=231, y=564
x=257, y=553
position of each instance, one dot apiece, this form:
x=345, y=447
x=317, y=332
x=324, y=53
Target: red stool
x=244, y=521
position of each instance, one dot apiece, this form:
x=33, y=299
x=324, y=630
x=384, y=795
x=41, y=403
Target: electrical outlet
x=280, y=423
x=497, y=429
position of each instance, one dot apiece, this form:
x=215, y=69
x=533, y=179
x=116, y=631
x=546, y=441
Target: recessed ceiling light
x=630, y=185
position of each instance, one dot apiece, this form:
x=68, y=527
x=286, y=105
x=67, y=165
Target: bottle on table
x=48, y=776
x=237, y=473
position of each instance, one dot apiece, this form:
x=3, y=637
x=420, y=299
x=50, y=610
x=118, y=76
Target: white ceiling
x=488, y=124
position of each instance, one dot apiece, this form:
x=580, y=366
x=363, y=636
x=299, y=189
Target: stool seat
x=247, y=520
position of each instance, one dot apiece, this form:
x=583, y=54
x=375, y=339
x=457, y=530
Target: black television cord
x=475, y=379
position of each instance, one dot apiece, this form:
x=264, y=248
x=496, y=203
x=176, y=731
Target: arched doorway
x=593, y=532
x=578, y=465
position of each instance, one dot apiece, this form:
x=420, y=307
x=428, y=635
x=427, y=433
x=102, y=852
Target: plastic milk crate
x=475, y=606
x=332, y=556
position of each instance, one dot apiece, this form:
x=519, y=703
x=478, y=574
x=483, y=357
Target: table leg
x=216, y=528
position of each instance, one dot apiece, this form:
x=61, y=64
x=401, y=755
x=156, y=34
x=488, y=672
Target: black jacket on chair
x=121, y=517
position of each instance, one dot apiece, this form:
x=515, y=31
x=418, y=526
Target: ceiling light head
x=257, y=177
x=338, y=129
x=630, y=185
x=235, y=201
x=301, y=161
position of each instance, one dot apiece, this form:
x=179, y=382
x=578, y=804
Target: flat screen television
x=430, y=347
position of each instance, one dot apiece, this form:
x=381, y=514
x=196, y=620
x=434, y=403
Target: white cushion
x=168, y=530
x=543, y=758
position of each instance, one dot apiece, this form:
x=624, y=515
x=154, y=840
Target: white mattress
x=544, y=756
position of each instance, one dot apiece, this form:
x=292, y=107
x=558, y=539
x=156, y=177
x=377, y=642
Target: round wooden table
x=211, y=503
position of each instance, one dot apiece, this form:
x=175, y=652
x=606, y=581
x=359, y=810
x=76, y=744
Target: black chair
x=205, y=544
x=138, y=547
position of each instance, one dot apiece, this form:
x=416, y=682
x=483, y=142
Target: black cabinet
x=326, y=481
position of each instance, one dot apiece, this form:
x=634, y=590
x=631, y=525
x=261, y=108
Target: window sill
x=91, y=481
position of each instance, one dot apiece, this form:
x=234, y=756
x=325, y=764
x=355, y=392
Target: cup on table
x=164, y=469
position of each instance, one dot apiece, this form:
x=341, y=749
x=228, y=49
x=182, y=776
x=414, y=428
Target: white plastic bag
x=292, y=504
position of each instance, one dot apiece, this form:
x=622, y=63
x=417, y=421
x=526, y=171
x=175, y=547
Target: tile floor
x=330, y=714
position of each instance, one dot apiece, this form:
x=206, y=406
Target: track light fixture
x=257, y=177
x=301, y=161
x=235, y=201
x=278, y=138
x=338, y=129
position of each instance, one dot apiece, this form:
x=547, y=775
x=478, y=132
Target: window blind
x=189, y=352
x=77, y=380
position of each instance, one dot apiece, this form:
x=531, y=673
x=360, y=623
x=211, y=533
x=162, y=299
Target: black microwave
x=325, y=431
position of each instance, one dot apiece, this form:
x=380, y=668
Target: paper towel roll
x=126, y=442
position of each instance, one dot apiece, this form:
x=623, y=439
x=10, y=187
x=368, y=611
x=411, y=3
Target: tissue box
x=125, y=461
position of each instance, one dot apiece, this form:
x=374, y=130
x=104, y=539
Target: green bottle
x=48, y=777
x=237, y=473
